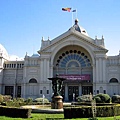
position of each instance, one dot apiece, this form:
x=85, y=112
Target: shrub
x=86, y=111
x=83, y=98
x=20, y=99
x=41, y=100
x=116, y=98
x=15, y=103
x=97, y=99
x=1, y=98
x=29, y=101
x=102, y=98
x=6, y=98
x=15, y=112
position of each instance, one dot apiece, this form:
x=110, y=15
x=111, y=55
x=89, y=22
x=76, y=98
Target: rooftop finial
x=26, y=53
x=95, y=37
x=102, y=37
x=42, y=38
x=76, y=21
x=76, y=26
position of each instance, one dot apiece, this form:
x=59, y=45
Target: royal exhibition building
x=73, y=55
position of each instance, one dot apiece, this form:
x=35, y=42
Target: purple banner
x=75, y=77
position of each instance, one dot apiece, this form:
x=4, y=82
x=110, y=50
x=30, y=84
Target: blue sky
x=24, y=22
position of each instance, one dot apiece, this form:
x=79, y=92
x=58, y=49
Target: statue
x=57, y=86
x=57, y=83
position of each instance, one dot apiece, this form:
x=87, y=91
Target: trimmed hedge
x=102, y=98
x=15, y=112
x=1, y=98
x=116, y=98
x=89, y=104
x=83, y=98
x=86, y=111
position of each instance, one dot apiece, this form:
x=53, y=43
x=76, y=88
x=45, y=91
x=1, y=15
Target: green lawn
x=40, y=116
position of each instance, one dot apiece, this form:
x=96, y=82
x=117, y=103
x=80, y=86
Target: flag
x=73, y=10
x=66, y=9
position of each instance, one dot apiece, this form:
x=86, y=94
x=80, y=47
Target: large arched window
x=32, y=80
x=73, y=64
x=113, y=80
x=73, y=55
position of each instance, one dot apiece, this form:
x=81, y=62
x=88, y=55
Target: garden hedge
x=15, y=112
x=86, y=111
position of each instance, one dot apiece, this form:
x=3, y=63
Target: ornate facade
x=74, y=55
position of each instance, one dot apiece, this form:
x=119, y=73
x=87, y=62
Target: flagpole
x=76, y=13
x=72, y=18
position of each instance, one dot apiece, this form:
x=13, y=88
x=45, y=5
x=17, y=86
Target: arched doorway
x=31, y=88
x=113, y=86
x=75, y=64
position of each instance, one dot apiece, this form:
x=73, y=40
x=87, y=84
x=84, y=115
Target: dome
x=3, y=52
x=35, y=55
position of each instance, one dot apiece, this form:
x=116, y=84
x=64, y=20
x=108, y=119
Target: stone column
x=51, y=71
x=23, y=87
x=100, y=70
x=14, y=91
x=51, y=75
x=80, y=90
x=41, y=70
x=45, y=70
x=97, y=70
x=104, y=70
x=48, y=69
x=94, y=79
x=23, y=91
x=66, y=92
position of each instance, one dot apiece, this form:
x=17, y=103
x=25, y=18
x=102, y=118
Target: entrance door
x=87, y=90
x=73, y=92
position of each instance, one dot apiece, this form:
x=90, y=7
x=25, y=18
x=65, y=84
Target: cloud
x=14, y=58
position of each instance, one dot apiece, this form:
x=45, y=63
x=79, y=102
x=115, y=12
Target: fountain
x=43, y=100
x=57, y=83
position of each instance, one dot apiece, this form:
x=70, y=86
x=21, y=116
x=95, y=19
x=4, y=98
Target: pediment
x=72, y=36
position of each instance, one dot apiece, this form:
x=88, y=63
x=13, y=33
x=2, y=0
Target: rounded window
x=33, y=80
x=113, y=80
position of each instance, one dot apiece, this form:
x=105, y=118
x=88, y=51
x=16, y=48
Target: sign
x=75, y=77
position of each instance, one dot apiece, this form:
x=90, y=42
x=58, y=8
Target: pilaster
x=80, y=90
x=45, y=70
x=104, y=70
x=41, y=70
x=100, y=69
x=66, y=92
x=97, y=70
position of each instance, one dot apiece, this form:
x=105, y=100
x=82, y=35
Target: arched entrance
x=75, y=64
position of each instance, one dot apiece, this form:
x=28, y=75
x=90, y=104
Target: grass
x=40, y=116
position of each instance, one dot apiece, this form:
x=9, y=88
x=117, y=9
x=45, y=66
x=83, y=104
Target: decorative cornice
x=77, y=35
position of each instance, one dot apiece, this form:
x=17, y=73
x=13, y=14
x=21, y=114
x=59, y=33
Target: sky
x=23, y=23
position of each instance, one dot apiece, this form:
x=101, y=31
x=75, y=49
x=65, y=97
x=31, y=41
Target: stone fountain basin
x=42, y=109
x=45, y=108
